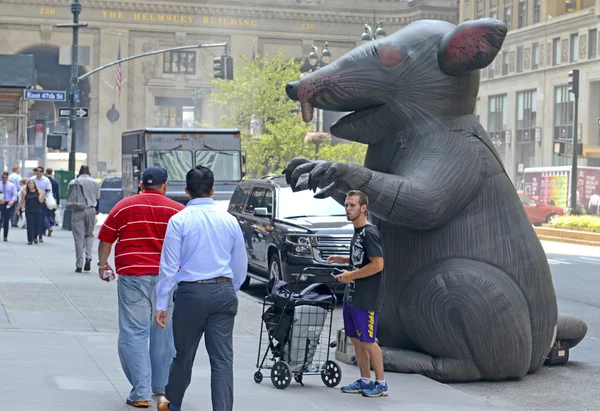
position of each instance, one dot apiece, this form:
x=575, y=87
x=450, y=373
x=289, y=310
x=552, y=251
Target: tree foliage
x=272, y=131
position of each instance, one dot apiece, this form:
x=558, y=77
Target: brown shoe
x=139, y=404
x=162, y=404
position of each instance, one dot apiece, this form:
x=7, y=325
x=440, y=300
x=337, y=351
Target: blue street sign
x=76, y=95
x=44, y=95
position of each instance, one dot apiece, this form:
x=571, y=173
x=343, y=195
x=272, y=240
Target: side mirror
x=261, y=212
x=136, y=174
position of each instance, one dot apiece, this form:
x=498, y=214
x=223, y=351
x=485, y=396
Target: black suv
x=288, y=231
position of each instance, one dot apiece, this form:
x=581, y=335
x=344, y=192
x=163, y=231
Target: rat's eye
x=388, y=55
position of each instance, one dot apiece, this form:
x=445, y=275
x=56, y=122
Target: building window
x=536, y=11
x=180, y=62
x=556, y=51
x=505, y=63
x=592, y=43
x=522, y=13
x=570, y=6
x=174, y=112
x=508, y=17
x=520, y=59
x=497, y=119
x=525, y=129
x=574, y=48
x=476, y=113
x=535, y=56
x=563, y=121
x=491, y=69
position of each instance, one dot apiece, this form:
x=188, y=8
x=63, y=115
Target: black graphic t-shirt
x=365, y=293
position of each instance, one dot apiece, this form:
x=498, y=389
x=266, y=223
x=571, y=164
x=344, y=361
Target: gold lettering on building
x=47, y=11
x=307, y=26
x=176, y=18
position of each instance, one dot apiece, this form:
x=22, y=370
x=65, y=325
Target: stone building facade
x=174, y=89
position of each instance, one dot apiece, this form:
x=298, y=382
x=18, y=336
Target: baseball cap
x=154, y=176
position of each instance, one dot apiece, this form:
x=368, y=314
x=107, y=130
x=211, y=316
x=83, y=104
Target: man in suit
x=56, y=194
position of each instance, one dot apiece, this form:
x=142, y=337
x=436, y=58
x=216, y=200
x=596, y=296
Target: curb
x=581, y=237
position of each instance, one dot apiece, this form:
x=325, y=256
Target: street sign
x=80, y=112
x=44, y=95
x=76, y=95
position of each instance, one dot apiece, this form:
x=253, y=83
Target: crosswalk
x=574, y=260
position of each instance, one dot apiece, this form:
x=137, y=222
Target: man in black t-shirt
x=363, y=296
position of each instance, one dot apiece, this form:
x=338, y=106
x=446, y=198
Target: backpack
x=75, y=197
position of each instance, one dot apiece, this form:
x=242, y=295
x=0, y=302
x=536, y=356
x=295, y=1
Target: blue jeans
x=145, y=350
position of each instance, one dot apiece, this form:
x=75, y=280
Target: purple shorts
x=360, y=324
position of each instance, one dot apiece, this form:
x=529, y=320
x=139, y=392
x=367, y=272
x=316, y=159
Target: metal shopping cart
x=295, y=336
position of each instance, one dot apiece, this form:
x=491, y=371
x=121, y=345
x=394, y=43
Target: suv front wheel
x=275, y=267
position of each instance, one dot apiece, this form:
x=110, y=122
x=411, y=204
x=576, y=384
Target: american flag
x=119, y=73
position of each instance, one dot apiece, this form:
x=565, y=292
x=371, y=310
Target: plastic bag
x=58, y=216
x=50, y=202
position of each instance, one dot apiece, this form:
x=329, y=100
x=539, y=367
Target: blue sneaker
x=358, y=387
x=378, y=390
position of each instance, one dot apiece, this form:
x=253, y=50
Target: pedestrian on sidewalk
x=204, y=254
x=85, y=192
x=33, y=199
x=44, y=185
x=138, y=224
x=15, y=178
x=56, y=194
x=363, y=296
x=8, y=197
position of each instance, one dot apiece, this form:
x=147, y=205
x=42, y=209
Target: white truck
x=178, y=150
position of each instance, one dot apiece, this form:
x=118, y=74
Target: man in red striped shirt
x=138, y=225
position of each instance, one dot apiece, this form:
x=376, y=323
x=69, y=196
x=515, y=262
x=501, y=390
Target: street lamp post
x=367, y=35
x=74, y=84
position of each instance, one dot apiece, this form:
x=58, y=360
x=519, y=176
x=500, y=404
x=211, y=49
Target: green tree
x=272, y=130
x=256, y=95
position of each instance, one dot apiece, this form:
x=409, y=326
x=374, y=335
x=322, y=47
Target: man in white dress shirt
x=204, y=253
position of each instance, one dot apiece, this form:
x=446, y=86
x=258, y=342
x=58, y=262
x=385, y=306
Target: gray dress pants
x=209, y=310
x=82, y=226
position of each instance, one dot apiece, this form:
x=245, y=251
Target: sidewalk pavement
x=59, y=348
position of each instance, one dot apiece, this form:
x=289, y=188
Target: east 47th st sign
x=81, y=112
x=44, y=95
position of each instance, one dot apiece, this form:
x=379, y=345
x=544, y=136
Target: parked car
x=288, y=231
x=537, y=212
x=111, y=191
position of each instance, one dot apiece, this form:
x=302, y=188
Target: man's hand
x=101, y=272
x=336, y=259
x=344, y=276
x=161, y=318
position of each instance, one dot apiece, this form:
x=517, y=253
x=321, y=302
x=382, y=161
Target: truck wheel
x=550, y=217
x=275, y=267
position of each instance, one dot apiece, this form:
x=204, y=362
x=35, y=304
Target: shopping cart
x=295, y=336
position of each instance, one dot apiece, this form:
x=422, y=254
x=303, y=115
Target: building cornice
x=316, y=14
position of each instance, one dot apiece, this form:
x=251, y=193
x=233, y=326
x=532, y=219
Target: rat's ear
x=471, y=46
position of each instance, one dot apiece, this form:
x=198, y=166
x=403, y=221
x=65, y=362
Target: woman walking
x=33, y=199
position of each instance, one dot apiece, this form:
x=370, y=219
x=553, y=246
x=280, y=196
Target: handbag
x=50, y=202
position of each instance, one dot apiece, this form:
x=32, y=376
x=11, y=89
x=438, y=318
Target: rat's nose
x=292, y=90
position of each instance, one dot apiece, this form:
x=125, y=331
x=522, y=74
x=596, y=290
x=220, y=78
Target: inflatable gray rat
x=468, y=293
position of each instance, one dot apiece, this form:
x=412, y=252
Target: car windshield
x=303, y=204
x=111, y=182
x=224, y=164
x=176, y=162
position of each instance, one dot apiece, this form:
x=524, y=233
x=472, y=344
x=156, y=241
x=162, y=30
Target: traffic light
x=574, y=82
x=54, y=141
x=219, y=67
x=229, y=68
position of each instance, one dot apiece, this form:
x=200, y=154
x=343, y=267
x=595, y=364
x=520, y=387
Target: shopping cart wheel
x=331, y=374
x=281, y=375
x=258, y=377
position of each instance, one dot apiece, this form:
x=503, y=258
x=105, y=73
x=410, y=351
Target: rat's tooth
x=307, y=111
